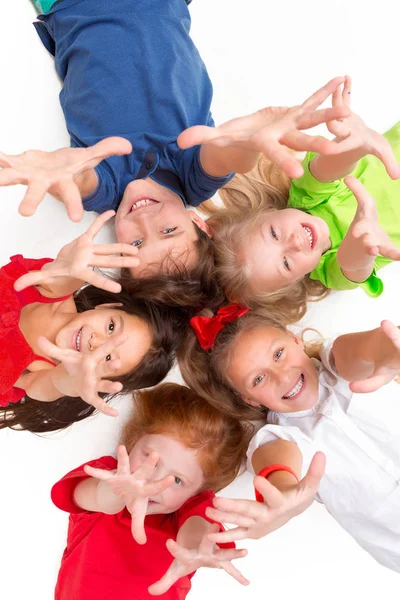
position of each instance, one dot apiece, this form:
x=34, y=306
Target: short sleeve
x=329, y=273
x=306, y=192
x=62, y=492
x=329, y=377
x=198, y=185
x=104, y=197
x=196, y=507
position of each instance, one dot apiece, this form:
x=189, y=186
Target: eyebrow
x=121, y=324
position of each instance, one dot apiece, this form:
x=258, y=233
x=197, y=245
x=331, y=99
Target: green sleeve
x=330, y=274
x=307, y=192
x=44, y=6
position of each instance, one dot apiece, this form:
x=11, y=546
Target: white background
x=258, y=53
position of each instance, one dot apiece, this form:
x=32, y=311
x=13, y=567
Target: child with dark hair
x=141, y=519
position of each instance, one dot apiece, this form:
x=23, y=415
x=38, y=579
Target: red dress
x=102, y=561
x=15, y=353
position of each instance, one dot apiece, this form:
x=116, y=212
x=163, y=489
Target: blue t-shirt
x=130, y=69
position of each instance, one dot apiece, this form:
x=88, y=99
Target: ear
x=296, y=339
x=250, y=402
x=200, y=223
x=109, y=305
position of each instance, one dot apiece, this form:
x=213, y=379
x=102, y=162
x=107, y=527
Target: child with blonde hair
x=138, y=525
x=250, y=366
x=278, y=243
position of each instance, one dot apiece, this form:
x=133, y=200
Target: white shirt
x=361, y=484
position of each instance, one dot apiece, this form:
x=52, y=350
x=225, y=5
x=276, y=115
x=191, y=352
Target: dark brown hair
x=165, y=305
x=178, y=412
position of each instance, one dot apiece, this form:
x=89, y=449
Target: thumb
x=386, y=156
x=371, y=384
x=108, y=147
x=199, y=134
x=365, y=202
x=315, y=473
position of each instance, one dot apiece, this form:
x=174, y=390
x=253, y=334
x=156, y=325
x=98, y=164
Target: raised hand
x=188, y=560
x=365, y=238
x=357, y=135
x=75, y=259
x=275, y=129
x=86, y=373
x=56, y=173
x=257, y=519
x=387, y=367
x=134, y=488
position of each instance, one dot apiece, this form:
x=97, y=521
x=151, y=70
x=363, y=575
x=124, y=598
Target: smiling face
x=284, y=246
x=269, y=367
x=88, y=330
x=155, y=220
x=175, y=459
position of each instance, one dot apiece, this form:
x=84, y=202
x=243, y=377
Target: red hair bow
x=207, y=328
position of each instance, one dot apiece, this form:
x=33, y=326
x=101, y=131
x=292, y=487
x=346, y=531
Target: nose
x=95, y=340
x=295, y=243
x=280, y=375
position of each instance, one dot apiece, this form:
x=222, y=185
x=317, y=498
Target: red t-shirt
x=102, y=561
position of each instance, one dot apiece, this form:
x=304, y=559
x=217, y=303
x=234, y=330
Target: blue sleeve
x=198, y=185
x=104, y=197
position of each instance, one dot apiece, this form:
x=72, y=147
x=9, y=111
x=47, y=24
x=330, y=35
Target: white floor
x=258, y=53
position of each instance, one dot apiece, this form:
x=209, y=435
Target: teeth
x=309, y=234
x=144, y=202
x=78, y=340
x=296, y=388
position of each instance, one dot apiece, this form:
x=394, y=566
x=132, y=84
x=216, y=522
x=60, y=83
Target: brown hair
x=206, y=371
x=177, y=411
x=246, y=199
x=165, y=305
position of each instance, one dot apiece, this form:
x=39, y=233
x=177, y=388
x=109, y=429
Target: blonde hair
x=177, y=411
x=246, y=199
x=206, y=371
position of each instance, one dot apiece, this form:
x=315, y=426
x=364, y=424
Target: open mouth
x=77, y=340
x=142, y=203
x=296, y=389
x=310, y=235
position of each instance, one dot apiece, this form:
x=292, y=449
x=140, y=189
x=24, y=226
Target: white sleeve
x=329, y=378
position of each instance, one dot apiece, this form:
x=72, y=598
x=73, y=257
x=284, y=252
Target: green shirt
x=335, y=204
x=44, y=5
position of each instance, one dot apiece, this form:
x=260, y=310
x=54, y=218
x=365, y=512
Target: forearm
x=48, y=385
x=96, y=496
x=59, y=286
x=220, y=161
x=359, y=275
x=280, y=452
x=192, y=532
x=354, y=261
x=332, y=167
x=357, y=354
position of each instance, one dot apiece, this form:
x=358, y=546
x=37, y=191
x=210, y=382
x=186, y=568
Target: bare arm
x=281, y=452
x=97, y=496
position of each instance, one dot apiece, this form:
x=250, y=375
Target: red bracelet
x=266, y=471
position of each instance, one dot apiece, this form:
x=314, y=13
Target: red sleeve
x=62, y=492
x=196, y=507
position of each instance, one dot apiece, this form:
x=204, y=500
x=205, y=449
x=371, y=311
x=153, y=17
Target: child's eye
x=137, y=242
x=169, y=230
x=178, y=480
x=258, y=380
x=108, y=357
x=273, y=233
x=286, y=264
x=111, y=326
x=278, y=354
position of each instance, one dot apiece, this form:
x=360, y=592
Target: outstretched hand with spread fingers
x=254, y=519
x=188, y=560
x=56, y=172
x=76, y=259
x=388, y=366
x=354, y=133
x=134, y=488
x=365, y=238
x=87, y=372
x=275, y=129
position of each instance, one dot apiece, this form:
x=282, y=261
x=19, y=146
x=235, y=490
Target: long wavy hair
x=246, y=198
x=219, y=440
x=165, y=305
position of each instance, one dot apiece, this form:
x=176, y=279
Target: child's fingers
x=229, y=517
x=371, y=384
x=206, y=546
x=9, y=176
x=33, y=197
x=105, y=349
x=297, y=140
x=138, y=512
x=117, y=248
x=5, y=160
x=32, y=278
x=98, y=224
x=109, y=387
x=114, y=145
x=365, y=203
x=311, y=119
x=197, y=135
x=123, y=460
x=102, y=282
x=69, y=193
x=50, y=349
x=337, y=99
x=146, y=469
x=385, y=154
x=101, y=474
x=109, y=367
x=249, y=508
x=230, y=535
x=235, y=573
x=272, y=496
x=346, y=94
x=230, y=554
x=391, y=331
x=164, y=583
x=315, y=472
x=156, y=487
x=101, y=405
x=280, y=155
x=323, y=93
x=114, y=262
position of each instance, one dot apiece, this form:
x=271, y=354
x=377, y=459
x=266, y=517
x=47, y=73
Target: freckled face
x=269, y=368
x=174, y=459
x=285, y=246
x=90, y=329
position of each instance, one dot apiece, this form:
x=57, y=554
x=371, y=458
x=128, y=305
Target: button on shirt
x=361, y=485
x=130, y=69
